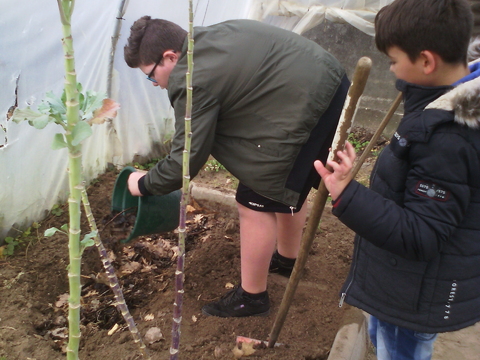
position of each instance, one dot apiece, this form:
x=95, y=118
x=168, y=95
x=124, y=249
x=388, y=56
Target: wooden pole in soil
x=360, y=77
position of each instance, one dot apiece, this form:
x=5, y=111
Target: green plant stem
x=179, y=273
x=75, y=171
x=112, y=277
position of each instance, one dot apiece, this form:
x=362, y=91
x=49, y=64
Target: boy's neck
x=447, y=74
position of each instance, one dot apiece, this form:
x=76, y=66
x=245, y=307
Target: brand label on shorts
x=256, y=205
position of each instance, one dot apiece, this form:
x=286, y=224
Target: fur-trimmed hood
x=464, y=100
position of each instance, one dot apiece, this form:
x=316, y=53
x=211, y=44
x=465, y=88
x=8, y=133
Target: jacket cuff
x=344, y=199
x=141, y=187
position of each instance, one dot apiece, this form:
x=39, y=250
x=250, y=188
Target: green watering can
x=155, y=213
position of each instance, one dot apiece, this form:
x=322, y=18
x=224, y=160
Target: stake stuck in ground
x=182, y=236
x=359, y=81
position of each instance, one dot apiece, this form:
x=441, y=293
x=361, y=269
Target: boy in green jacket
x=266, y=103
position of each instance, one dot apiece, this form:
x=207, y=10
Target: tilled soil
x=34, y=290
x=34, y=287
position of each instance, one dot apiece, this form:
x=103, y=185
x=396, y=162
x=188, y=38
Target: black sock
x=253, y=296
x=284, y=261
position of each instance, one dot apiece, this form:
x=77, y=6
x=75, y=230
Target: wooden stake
x=360, y=77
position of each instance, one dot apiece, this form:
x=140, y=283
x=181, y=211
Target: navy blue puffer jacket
x=417, y=250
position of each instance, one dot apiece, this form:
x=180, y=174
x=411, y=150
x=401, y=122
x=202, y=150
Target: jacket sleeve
x=166, y=176
x=436, y=198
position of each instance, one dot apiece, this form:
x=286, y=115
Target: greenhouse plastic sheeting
x=34, y=177
x=302, y=15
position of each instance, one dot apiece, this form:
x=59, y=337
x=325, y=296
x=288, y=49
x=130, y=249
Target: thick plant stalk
x=112, y=277
x=179, y=273
x=75, y=178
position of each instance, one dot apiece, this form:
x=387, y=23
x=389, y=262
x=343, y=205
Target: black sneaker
x=281, y=265
x=236, y=303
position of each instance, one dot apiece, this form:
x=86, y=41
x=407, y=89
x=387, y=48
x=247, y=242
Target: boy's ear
x=429, y=61
x=170, y=55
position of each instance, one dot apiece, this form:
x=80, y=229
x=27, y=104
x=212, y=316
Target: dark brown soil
x=33, y=284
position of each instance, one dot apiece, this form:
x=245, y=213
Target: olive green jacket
x=258, y=91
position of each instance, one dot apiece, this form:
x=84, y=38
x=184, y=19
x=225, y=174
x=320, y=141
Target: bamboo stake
x=179, y=273
x=112, y=277
x=360, y=77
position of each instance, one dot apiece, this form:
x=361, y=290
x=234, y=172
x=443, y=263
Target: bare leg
x=289, y=232
x=258, y=232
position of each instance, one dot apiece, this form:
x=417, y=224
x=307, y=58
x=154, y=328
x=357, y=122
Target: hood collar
x=417, y=97
x=464, y=100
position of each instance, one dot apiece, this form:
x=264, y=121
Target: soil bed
x=33, y=288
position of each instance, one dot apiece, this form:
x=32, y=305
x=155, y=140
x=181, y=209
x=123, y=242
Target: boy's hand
x=341, y=175
x=133, y=182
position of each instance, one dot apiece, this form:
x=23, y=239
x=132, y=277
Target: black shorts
x=303, y=175
x=252, y=200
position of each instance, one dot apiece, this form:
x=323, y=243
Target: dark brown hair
x=150, y=38
x=441, y=26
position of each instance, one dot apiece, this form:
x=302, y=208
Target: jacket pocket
x=394, y=281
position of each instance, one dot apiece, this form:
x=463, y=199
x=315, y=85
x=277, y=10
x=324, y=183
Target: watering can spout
x=154, y=214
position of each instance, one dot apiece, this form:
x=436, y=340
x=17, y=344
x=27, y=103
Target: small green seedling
x=56, y=210
x=358, y=145
x=11, y=245
x=148, y=165
x=213, y=165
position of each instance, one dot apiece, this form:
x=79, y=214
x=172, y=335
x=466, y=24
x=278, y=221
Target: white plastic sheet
x=302, y=15
x=34, y=177
x=31, y=60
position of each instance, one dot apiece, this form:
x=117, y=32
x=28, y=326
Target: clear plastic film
x=302, y=15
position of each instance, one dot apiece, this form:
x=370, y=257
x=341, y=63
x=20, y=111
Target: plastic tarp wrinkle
x=302, y=15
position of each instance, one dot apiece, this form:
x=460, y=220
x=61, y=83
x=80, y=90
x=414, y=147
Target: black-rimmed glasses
x=150, y=75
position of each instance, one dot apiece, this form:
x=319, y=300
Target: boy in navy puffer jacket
x=416, y=262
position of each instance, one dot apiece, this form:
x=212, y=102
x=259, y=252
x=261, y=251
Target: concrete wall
x=348, y=45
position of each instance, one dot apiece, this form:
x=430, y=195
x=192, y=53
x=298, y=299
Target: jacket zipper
x=344, y=294
x=355, y=255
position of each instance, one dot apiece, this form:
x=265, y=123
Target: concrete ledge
x=351, y=341
x=216, y=196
